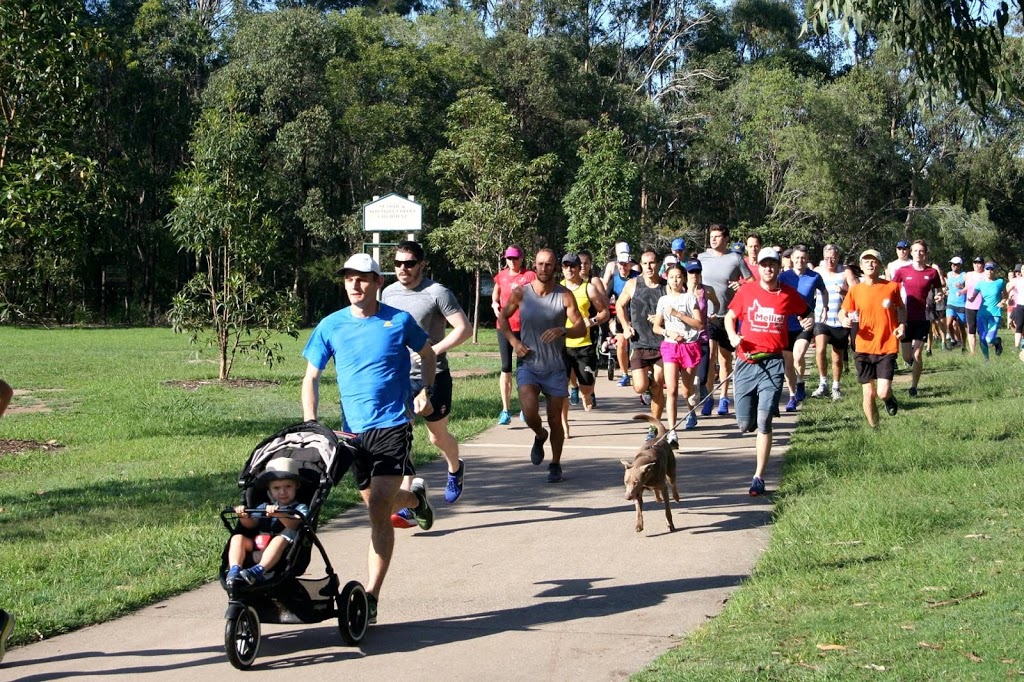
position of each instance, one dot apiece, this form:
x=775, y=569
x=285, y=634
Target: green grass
x=873, y=529
x=127, y=512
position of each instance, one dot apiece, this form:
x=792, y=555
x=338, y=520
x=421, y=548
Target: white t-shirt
x=684, y=303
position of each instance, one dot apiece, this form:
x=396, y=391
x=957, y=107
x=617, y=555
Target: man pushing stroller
x=270, y=529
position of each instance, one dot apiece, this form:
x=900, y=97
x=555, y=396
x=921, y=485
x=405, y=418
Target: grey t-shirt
x=719, y=270
x=430, y=304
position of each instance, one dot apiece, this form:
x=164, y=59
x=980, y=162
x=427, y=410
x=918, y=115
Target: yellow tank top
x=583, y=303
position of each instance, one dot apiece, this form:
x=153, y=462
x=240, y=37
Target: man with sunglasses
x=510, y=278
x=434, y=307
x=902, y=259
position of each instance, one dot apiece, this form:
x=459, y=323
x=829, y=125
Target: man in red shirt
x=509, y=279
x=761, y=307
x=918, y=281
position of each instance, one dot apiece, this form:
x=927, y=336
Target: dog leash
x=755, y=357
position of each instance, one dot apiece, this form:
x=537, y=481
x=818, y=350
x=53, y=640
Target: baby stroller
x=284, y=597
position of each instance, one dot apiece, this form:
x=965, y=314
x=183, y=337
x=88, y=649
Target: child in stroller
x=272, y=527
x=299, y=465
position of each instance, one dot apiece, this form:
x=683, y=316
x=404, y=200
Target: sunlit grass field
x=126, y=512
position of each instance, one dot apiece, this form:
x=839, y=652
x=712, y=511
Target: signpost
x=391, y=213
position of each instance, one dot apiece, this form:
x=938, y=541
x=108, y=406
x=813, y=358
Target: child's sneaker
x=253, y=576
x=423, y=512
x=232, y=576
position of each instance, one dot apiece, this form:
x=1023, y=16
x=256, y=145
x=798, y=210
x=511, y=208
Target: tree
x=219, y=218
x=487, y=185
x=45, y=176
x=601, y=203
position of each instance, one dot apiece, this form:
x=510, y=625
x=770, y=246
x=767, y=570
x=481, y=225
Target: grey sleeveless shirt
x=537, y=314
x=643, y=304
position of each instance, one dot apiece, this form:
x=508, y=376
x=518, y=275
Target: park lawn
x=896, y=554
x=126, y=512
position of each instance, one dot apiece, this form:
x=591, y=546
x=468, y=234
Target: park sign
x=392, y=213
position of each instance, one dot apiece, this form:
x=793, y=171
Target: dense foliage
x=209, y=153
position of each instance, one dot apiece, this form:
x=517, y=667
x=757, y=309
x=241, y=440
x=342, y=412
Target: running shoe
x=6, y=628
x=403, y=518
x=791, y=405
x=723, y=406
x=651, y=433
x=453, y=488
x=928, y=353
x=522, y=417
x=424, y=512
x=913, y=391
x=998, y=345
x=691, y=422
x=554, y=473
x=692, y=400
x=504, y=418
x=645, y=398
x=756, y=487
x=705, y=409
x=625, y=381
x=672, y=439
x=371, y=610
x=820, y=391
x=891, y=406
x=537, y=451
x=574, y=396
x=593, y=401
x=836, y=395
x=801, y=392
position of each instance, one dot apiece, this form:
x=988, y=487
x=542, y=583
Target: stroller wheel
x=353, y=613
x=242, y=638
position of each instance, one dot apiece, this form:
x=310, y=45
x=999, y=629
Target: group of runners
x=734, y=318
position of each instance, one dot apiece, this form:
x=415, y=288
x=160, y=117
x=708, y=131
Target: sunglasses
x=408, y=264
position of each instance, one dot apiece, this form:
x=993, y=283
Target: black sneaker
x=423, y=513
x=554, y=473
x=371, y=610
x=890, y=406
x=537, y=452
x=998, y=343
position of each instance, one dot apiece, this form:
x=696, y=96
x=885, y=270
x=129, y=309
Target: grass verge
x=895, y=552
x=126, y=513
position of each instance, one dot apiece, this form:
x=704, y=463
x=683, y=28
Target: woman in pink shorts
x=679, y=318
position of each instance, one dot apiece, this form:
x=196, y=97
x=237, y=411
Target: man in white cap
x=616, y=275
x=761, y=308
x=370, y=343
x=877, y=306
x=513, y=276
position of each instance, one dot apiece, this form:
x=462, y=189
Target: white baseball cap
x=622, y=251
x=956, y=260
x=361, y=262
x=767, y=253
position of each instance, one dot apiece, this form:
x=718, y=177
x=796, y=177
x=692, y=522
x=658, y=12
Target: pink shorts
x=683, y=354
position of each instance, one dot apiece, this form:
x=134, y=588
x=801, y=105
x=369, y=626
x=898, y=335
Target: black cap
x=571, y=259
x=979, y=259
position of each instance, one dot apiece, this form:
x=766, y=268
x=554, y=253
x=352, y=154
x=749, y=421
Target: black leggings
x=505, y=349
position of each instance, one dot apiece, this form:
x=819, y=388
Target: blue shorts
x=757, y=389
x=958, y=312
x=552, y=384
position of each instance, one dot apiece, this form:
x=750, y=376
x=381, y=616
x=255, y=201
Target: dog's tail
x=656, y=422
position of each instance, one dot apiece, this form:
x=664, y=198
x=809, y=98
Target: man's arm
x=428, y=368
x=457, y=336
x=599, y=303
x=730, y=329
x=503, y=326
x=310, y=392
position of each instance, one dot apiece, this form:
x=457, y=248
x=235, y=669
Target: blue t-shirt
x=956, y=295
x=991, y=292
x=371, y=357
x=806, y=284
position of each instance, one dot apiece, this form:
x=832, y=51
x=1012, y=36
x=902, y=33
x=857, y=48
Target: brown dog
x=653, y=468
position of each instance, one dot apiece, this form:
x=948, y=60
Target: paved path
x=520, y=579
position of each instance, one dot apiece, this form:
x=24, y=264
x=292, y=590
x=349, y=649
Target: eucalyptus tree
x=490, y=189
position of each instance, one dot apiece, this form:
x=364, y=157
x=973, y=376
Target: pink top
x=972, y=278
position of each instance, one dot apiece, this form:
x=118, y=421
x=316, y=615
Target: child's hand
x=270, y=509
x=240, y=510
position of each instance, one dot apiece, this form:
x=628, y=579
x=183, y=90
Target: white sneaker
x=820, y=392
x=671, y=438
x=836, y=395
x=692, y=400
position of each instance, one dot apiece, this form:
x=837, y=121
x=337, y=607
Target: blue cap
x=990, y=266
x=693, y=266
x=678, y=244
x=737, y=247
x=902, y=244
